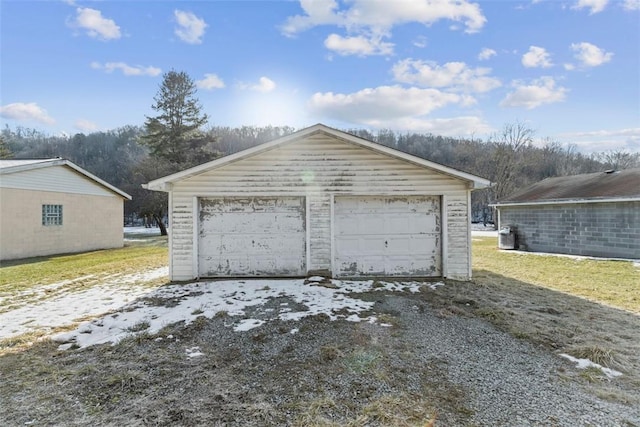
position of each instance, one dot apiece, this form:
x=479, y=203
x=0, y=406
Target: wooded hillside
x=510, y=159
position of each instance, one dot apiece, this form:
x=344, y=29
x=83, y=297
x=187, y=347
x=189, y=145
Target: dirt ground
x=465, y=354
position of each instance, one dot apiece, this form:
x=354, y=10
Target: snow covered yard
x=44, y=308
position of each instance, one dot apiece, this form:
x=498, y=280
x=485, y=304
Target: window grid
x=51, y=214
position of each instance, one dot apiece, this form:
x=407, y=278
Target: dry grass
x=397, y=410
x=602, y=356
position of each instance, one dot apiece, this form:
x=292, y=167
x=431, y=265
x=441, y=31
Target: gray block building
x=595, y=214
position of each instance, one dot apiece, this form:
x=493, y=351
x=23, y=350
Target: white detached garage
x=319, y=201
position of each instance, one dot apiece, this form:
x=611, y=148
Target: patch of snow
x=484, y=232
x=294, y=331
x=436, y=285
x=315, y=279
x=586, y=363
x=141, y=230
x=193, y=352
x=248, y=324
x=233, y=297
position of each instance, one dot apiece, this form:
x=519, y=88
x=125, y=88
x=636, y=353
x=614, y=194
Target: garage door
x=252, y=237
x=387, y=236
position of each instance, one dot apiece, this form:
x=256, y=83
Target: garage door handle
x=386, y=243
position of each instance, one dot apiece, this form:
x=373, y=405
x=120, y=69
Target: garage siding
x=318, y=167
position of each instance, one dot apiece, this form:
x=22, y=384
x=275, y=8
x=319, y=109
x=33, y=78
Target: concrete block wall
x=591, y=229
x=89, y=222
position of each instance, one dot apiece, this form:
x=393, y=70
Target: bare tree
x=619, y=159
x=508, y=149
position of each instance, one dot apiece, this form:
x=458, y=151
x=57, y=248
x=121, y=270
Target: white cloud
x=382, y=103
x=486, y=53
x=631, y=5
x=454, y=126
x=453, y=75
x=92, y=21
x=127, y=70
x=210, y=82
x=264, y=85
x=190, y=28
x=594, y=6
x=590, y=55
x=358, y=45
x=26, y=111
x=536, y=57
x=378, y=17
x=541, y=91
x=85, y=125
x=604, y=140
x=630, y=132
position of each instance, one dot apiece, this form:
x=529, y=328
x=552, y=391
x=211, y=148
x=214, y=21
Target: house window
x=51, y=214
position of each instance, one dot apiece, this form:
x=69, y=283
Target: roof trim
x=45, y=163
x=567, y=202
x=165, y=183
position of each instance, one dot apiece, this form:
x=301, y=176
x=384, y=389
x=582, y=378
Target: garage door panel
x=252, y=237
x=350, y=245
x=390, y=236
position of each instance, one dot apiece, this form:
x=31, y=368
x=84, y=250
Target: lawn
x=614, y=283
x=140, y=254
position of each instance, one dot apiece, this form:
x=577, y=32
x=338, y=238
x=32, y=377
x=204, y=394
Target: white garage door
x=254, y=236
x=387, y=236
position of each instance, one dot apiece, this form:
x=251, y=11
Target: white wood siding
x=55, y=178
x=318, y=167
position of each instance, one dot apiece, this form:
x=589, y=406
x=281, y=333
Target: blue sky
x=570, y=69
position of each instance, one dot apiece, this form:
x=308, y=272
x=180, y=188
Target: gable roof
x=164, y=184
x=591, y=187
x=14, y=166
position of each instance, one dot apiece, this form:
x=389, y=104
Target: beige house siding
x=89, y=222
x=56, y=178
x=319, y=167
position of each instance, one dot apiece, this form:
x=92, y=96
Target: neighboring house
x=53, y=206
x=595, y=214
x=319, y=201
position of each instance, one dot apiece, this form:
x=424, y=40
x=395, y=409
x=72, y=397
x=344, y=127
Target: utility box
x=507, y=238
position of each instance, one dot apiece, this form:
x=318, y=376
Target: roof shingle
x=601, y=185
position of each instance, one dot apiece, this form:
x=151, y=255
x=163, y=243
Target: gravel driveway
x=418, y=360
x=508, y=382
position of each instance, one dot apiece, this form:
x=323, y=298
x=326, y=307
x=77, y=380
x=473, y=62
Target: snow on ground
x=64, y=308
x=479, y=230
x=141, y=230
x=586, y=363
x=192, y=300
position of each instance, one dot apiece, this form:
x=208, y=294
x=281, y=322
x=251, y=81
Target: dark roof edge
x=567, y=201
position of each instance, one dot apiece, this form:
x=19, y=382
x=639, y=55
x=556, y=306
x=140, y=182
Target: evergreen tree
x=5, y=151
x=175, y=133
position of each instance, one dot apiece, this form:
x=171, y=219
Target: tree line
x=178, y=138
